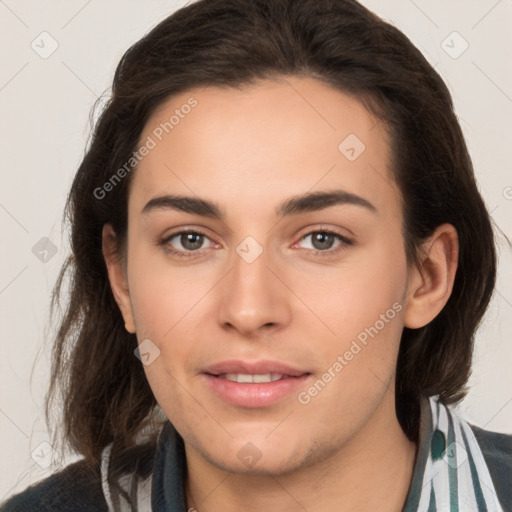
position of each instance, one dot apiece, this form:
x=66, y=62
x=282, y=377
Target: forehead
x=260, y=143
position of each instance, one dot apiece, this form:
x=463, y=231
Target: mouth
x=253, y=384
x=247, y=378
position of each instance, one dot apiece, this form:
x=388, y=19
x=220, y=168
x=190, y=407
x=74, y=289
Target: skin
x=249, y=150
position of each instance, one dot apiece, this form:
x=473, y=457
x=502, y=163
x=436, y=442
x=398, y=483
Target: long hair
x=231, y=43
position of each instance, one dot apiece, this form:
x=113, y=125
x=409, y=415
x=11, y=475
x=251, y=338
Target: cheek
x=168, y=389
x=168, y=306
x=357, y=363
x=163, y=295
x=353, y=297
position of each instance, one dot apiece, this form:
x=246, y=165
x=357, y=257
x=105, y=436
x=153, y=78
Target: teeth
x=262, y=378
x=244, y=378
x=248, y=378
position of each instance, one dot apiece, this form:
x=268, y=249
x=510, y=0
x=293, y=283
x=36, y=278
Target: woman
x=275, y=283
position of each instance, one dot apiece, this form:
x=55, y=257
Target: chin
x=278, y=464
x=263, y=457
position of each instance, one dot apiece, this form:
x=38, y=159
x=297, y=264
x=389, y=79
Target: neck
x=372, y=471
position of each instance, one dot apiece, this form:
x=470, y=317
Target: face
x=268, y=284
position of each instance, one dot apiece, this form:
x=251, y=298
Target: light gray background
x=45, y=104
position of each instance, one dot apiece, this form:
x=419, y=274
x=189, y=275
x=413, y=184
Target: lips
x=253, y=384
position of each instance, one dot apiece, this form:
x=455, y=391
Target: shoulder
x=497, y=451
x=496, y=447
x=77, y=487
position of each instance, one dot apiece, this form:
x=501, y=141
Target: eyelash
x=345, y=242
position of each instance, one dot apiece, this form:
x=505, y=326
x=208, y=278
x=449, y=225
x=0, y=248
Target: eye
x=323, y=241
x=190, y=241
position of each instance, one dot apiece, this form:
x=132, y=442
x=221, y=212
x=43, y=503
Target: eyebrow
x=309, y=202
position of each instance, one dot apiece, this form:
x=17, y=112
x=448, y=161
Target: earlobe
x=431, y=282
x=117, y=276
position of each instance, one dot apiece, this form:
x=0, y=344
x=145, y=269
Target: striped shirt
x=451, y=473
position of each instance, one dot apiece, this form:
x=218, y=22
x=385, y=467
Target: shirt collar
x=422, y=452
x=170, y=469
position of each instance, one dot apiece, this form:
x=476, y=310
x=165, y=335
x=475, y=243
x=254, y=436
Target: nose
x=254, y=298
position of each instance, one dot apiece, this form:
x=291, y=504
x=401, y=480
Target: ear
x=430, y=282
x=117, y=276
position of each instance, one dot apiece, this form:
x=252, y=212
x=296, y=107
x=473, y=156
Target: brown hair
x=231, y=43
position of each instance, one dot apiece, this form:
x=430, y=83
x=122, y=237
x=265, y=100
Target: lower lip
x=254, y=395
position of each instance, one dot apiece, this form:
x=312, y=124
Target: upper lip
x=253, y=368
